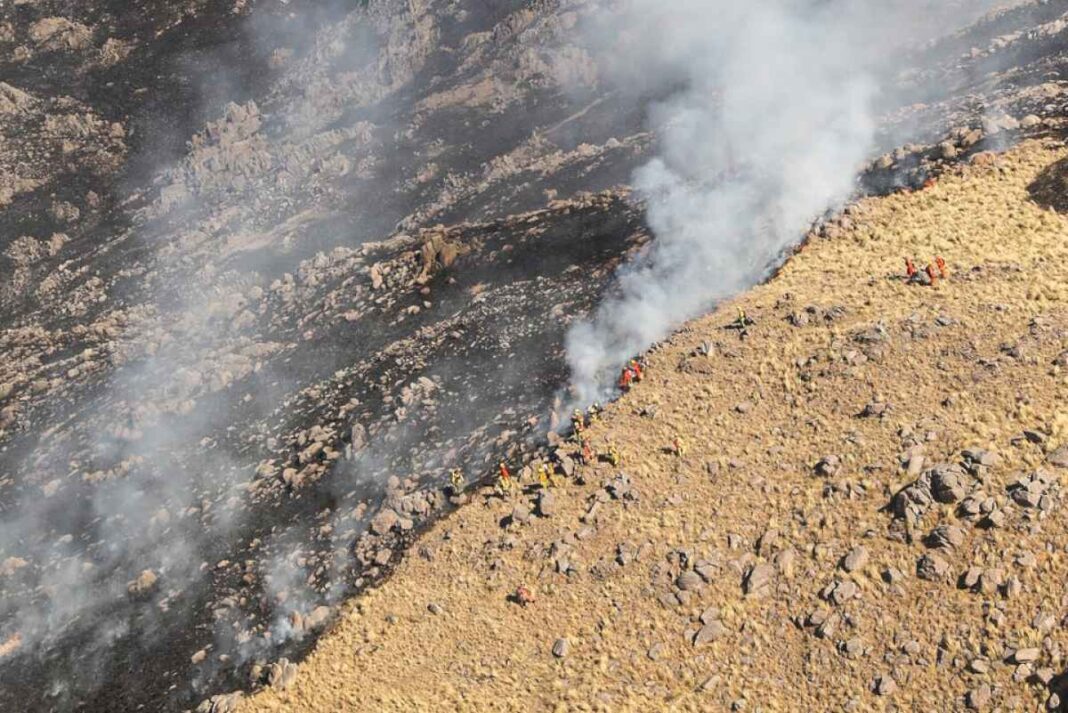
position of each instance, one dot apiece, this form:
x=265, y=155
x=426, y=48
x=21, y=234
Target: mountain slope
x=780, y=539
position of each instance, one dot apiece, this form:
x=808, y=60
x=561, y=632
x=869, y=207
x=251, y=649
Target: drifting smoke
x=774, y=116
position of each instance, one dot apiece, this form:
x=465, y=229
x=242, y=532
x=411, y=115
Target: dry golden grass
x=953, y=385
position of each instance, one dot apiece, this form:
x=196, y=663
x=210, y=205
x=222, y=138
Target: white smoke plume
x=772, y=118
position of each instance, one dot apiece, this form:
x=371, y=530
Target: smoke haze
x=772, y=120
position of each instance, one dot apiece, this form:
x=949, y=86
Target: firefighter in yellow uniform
x=504, y=479
x=457, y=480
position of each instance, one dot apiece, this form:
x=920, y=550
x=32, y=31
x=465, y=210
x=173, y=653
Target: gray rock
x=561, y=648
x=281, y=674
x=978, y=698
x=852, y=648
x=827, y=628
x=856, y=559
x=829, y=466
x=945, y=537
x=709, y=615
x=893, y=575
x=758, y=579
x=709, y=632
x=689, y=581
x=994, y=520
x=931, y=567
x=885, y=685
x=521, y=514
x=947, y=484
x=875, y=409
x=1029, y=655
x=222, y=703
x=384, y=521
x=1059, y=457
x=546, y=504
x=842, y=592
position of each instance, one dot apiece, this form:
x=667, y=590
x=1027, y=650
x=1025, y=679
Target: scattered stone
x=689, y=581
x=435, y=608
x=829, y=466
x=709, y=632
x=893, y=575
x=947, y=484
x=384, y=522
x=991, y=580
x=1028, y=491
x=222, y=703
x=978, y=698
x=994, y=520
x=875, y=409
x=281, y=674
x=1036, y=437
x=709, y=615
x=885, y=685
x=521, y=514
x=1025, y=559
x=758, y=579
x=945, y=537
x=852, y=648
x=856, y=559
x=1059, y=457
x=841, y=592
x=546, y=504
x=561, y=648
x=1030, y=121
x=1029, y=655
x=931, y=567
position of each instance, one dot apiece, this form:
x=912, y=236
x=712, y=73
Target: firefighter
x=612, y=456
x=504, y=479
x=578, y=421
x=910, y=268
x=523, y=596
x=626, y=379
x=586, y=452
x=595, y=413
x=678, y=446
x=544, y=475
x=932, y=274
x=457, y=480
x=942, y=269
x=742, y=323
x=637, y=369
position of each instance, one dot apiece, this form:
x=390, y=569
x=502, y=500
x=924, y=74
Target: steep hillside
x=269, y=271
x=868, y=513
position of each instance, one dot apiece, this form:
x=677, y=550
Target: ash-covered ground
x=269, y=270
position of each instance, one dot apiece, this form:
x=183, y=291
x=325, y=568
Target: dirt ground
x=773, y=566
